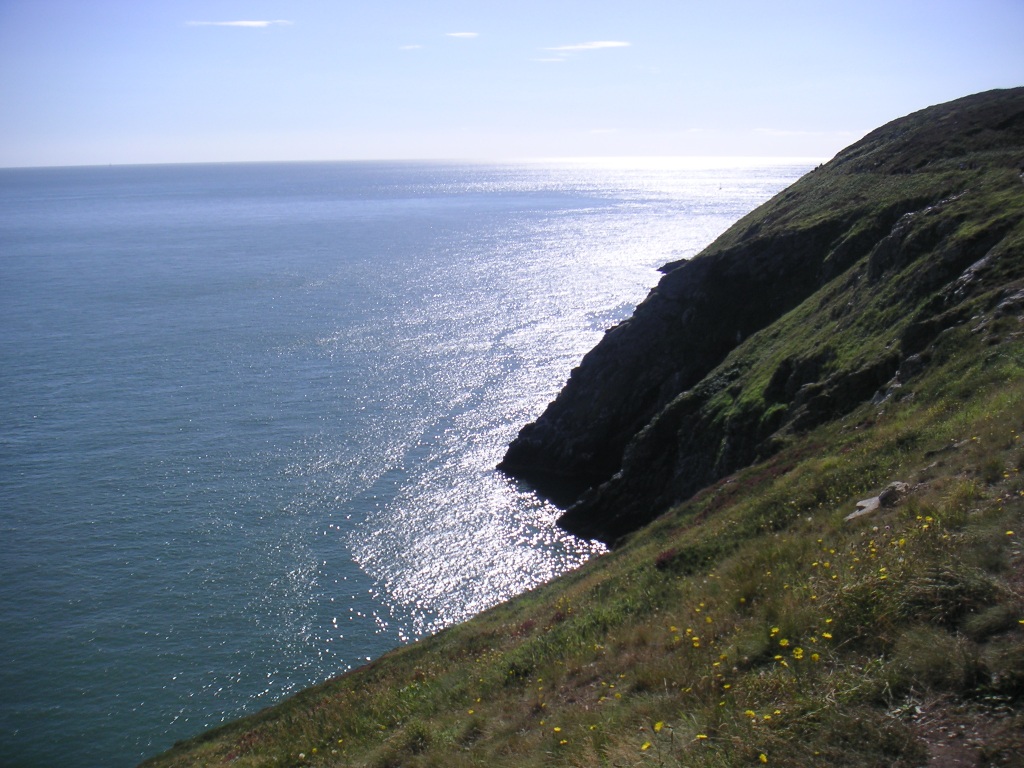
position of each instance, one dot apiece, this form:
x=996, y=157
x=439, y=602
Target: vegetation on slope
x=753, y=623
x=750, y=621
x=875, y=249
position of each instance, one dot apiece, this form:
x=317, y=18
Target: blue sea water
x=250, y=415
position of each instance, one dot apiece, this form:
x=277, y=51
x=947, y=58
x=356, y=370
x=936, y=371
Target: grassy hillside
x=753, y=623
x=844, y=280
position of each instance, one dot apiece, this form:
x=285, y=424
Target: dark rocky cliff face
x=814, y=303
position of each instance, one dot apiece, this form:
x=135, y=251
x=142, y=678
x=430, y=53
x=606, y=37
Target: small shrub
x=932, y=658
x=1004, y=662
x=416, y=738
x=961, y=498
x=988, y=548
x=992, y=470
x=989, y=622
x=752, y=648
x=663, y=561
x=944, y=594
x=865, y=613
x=689, y=560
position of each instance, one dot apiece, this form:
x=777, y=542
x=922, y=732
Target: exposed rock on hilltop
x=827, y=296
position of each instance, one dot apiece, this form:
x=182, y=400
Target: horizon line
x=606, y=159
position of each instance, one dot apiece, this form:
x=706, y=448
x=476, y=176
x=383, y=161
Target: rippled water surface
x=251, y=414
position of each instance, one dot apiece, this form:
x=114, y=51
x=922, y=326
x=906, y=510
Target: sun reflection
x=489, y=342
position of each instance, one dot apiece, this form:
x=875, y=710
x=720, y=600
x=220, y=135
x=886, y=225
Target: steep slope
x=812, y=304
x=761, y=621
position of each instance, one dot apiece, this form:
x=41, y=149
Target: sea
x=250, y=415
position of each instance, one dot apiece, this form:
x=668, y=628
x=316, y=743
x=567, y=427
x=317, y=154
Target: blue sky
x=126, y=81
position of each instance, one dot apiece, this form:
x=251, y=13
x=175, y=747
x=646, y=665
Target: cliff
x=825, y=297
x=822, y=417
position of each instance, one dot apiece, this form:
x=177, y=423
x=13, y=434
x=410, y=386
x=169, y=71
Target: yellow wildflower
x=763, y=757
x=658, y=726
x=646, y=746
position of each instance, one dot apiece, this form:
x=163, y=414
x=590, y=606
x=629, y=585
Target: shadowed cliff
x=825, y=297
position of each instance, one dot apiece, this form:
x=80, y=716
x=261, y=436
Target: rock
x=893, y=493
x=890, y=497
x=700, y=311
x=864, y=507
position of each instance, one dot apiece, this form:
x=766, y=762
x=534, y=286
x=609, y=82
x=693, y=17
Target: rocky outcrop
x=892, y=495
x=885, y=246
x=698, y=313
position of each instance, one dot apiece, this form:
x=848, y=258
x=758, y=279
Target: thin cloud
x=463, y=34
x=250, y=24
x=409, y=47
x=593, y=46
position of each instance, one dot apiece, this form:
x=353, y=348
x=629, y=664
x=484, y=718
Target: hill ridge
x=899, y=194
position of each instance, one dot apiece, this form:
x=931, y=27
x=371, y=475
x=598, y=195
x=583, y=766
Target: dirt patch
x=958, y=736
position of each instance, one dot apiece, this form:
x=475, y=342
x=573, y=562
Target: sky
x=85, y=82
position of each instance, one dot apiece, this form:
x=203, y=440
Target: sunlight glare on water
x=252, y=415
x=459, y=537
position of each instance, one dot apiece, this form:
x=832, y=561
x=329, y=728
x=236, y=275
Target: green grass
x=753, y=624
x=751, y=620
